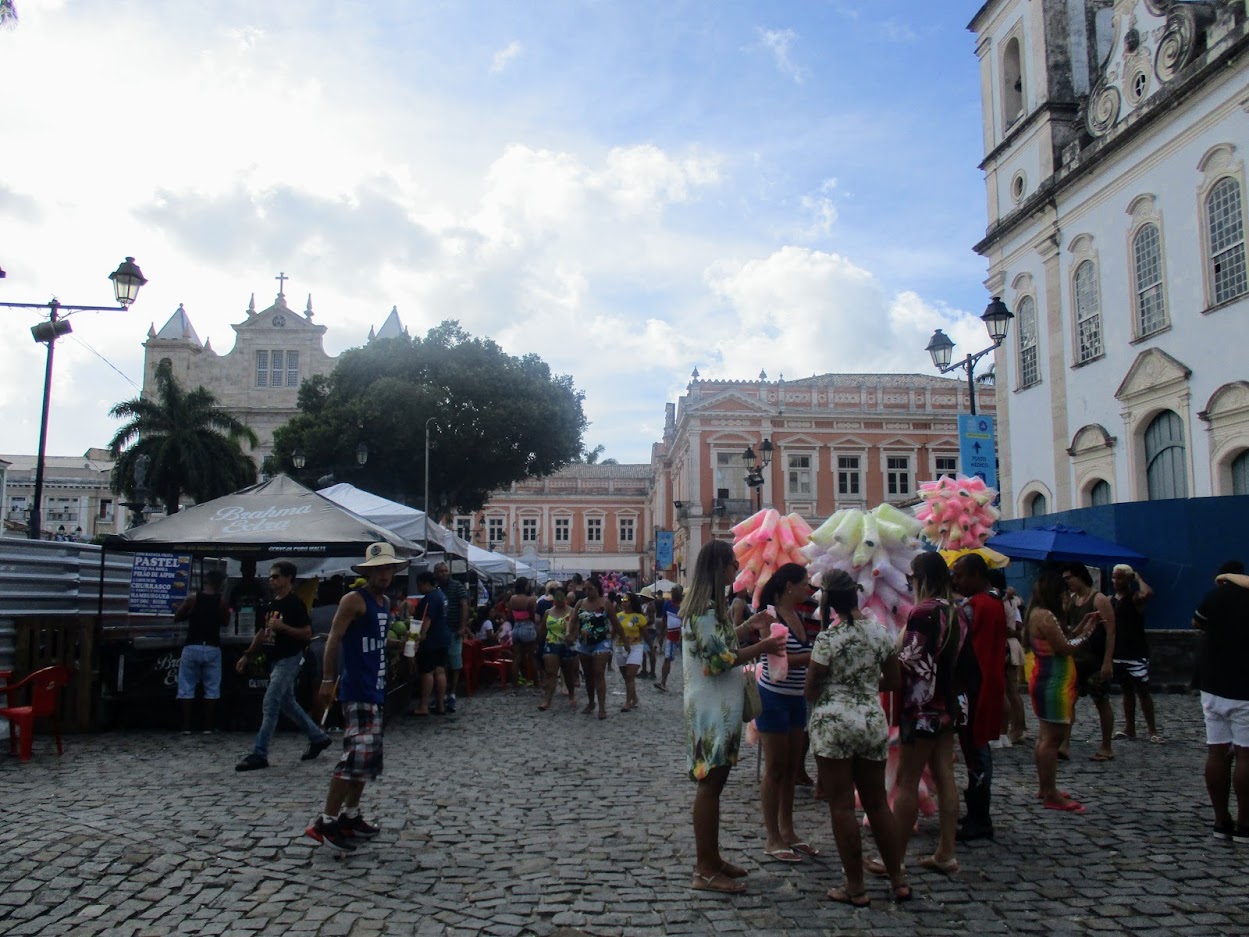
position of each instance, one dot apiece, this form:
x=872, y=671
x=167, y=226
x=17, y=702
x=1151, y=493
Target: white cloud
x=778, y=42
x=504, y=57
x=822, y=211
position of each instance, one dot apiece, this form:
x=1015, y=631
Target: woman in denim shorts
x=558, y=635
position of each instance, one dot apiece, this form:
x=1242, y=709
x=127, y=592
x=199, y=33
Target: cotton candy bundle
x=958, y=513
x=778, y=664
x=876, y=548
x=763, y=543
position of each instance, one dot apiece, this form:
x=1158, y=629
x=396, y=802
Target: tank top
x=557, y=627
x=796, y=680
x=363, y=666
x=204, y=622
x=593, y=626
x=1094, y=649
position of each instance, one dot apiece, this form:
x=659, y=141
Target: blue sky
x=629, y=189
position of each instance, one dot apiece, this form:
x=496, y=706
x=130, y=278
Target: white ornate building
x=258, y=380
x=1115, y=136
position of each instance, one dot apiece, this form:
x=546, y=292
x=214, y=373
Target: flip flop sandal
x=902, y=893
x=718, y=882
x=804, y=848
x=731, y=870
x=1098, y=756
x=1157, y=739
x=949, y=867
x=1071, y=806
x=841, y=896
x=875, y=867
x=783, y=855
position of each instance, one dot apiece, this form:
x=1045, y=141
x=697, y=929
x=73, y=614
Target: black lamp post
x=996, y=320
x=755, y=464
x=127, y=279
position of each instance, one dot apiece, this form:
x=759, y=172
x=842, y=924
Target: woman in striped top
x=783, y=723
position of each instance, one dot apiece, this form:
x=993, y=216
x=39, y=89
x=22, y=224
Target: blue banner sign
x=663, y=549
x=159, y=582
x=977, y=448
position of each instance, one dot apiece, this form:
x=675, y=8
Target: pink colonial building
x=583, y=518
x=838, y=440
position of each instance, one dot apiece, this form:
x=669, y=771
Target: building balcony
x=732, y=508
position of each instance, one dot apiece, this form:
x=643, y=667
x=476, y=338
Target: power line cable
x=106, y=361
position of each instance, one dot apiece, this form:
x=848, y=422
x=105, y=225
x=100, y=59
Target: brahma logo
x=238, y=520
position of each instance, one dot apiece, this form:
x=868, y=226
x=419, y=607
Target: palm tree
x=8, y=14
x=193, y=446
x=593, y=456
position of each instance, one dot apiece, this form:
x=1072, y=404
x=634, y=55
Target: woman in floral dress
x=937, y=666
x=851, y=664
x=713, y=702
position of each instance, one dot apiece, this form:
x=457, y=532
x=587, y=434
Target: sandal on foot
x=731, y=870
x=875, y=867
x=589, y=709
x=718, y=882
x=841, y=896
x=602, y=714
x=933, y=864
x=544, y=706
x=902, y=892
x=1071, y=806
x=1121, y=736
x=804, y=848
x=1101, y=756
x=1157, y=739
x=783, y=855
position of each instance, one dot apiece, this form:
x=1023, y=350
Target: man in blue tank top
x=355, y=666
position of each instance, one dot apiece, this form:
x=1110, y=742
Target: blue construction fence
x=1186, y=540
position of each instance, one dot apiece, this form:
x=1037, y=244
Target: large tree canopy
x=192, y=445
x=497, y=419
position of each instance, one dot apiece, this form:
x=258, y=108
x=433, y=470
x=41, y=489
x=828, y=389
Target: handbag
x=752, y=702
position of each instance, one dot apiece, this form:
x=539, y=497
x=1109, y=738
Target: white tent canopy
x=410, y=522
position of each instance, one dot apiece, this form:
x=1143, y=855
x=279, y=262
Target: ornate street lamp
x=996, y=319
x=127, y=279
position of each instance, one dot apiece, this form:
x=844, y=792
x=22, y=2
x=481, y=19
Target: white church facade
x=275, y=350
x=1115, y=137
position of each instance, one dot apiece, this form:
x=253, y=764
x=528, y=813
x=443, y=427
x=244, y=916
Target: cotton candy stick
x=749, y=525
x=778, y=664
x=800, y=527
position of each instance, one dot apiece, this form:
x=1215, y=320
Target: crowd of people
x=831, y=680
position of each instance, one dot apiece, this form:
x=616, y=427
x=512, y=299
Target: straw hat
x=379, y=554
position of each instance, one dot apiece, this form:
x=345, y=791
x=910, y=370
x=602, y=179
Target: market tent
x=404, y=520
x=278, y=517
x=1063, y=544
x=410, y=522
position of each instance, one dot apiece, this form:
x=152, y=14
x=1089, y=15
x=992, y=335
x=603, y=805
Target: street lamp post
x=425, y=503
x=127, y=279
x=755, y=464
x=996, y=320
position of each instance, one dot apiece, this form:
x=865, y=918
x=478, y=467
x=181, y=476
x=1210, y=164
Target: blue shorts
x=455, y=654
x=602, y=647
x=201, y=663
x=781, y=712
x=558, y=649
x=671, y=647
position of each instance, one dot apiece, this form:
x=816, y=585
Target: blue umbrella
x=1063, y=544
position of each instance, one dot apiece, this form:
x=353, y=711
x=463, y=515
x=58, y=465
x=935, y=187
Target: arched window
x=1088, y=313
x=1226, y=228
x=1037, y=505
x=1029, y=363
x=1151, y=312
x=1240, y=474
x=1166, y=471
x=1012, y=82
x=1099, y=494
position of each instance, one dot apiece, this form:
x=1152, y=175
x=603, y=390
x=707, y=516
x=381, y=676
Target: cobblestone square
x=506, y=820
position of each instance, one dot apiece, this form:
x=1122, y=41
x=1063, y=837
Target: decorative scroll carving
x=1103, y=109
x=1178, y=46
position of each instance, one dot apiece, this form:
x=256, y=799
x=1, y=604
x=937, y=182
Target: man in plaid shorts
x=356, y=651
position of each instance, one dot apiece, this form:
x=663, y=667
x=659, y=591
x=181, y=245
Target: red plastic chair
x=495, y=660
x=45, y=693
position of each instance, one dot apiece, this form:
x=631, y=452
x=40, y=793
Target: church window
x=1226, y=228
x=1166, y=469
x=1240, y=474
x=1088, y=314
x=1012, y=81
x=1038, y=506
x=1029, y=362
x=262, y=369
x=1099, y=494
x=292, y=369
x=276, y=364
x=1151, y=311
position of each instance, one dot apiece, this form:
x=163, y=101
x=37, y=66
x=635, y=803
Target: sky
x=628, y=188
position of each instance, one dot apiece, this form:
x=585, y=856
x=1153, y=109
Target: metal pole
x=426, y=502
x=971, y=382
x=34, y=528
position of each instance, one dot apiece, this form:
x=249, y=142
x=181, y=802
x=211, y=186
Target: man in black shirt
x=286, y=634
x=205, y=614
x=1223, y=679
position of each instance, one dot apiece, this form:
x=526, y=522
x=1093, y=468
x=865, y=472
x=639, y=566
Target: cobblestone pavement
x=506, y=820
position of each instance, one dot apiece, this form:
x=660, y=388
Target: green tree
x=8, y=14
x=497, y=419
x=193, y=446
x=594, y=456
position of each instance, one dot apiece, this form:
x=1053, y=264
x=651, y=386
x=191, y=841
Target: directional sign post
x=977, y=448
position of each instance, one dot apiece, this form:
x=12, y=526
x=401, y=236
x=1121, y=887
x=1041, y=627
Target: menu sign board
x=159, y=582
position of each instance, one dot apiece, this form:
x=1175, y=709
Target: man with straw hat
x=355, y=666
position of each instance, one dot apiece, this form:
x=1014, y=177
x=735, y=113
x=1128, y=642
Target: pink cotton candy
x=778, y=664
